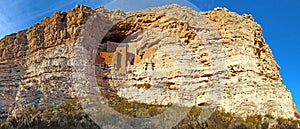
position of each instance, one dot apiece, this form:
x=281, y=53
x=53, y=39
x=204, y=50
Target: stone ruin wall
x=36, y=64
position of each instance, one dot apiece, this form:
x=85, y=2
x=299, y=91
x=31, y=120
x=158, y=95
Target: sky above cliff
x=279, y=20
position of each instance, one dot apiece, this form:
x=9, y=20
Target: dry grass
x=69, y=114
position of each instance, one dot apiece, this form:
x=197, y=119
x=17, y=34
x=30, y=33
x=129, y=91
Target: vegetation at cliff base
x=70, y=114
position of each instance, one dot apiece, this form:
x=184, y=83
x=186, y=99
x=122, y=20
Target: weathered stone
x=170, y=49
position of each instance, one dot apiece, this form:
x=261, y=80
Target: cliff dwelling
x=121, y=55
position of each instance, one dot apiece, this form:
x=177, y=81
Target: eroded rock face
x=35, y=63
x=219, y=54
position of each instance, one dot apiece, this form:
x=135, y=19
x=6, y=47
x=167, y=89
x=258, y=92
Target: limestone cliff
x=222, y=55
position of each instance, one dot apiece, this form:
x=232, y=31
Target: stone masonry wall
x=36, y=64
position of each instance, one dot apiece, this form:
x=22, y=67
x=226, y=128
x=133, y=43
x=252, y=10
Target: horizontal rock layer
x=217, y=57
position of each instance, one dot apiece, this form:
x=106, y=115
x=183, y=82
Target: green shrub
x=134, y=109
x=70, y=114
x=287, y=123
x=223, y=120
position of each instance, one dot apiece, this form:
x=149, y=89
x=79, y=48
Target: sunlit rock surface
x=172, y=55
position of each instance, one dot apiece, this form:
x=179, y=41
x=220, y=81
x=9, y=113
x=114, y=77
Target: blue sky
x=280, y=21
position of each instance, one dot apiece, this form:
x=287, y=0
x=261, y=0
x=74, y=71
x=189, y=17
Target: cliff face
x=34, y=69
x=222, y=56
